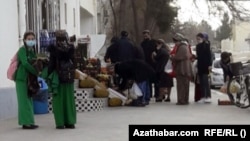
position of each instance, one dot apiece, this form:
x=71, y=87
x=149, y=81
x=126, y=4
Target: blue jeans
x=144, y=86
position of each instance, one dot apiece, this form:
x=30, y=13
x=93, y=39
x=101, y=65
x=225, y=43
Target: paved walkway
x=111, y=124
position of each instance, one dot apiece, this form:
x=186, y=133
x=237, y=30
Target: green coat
x=24, y=66
x=25, y=104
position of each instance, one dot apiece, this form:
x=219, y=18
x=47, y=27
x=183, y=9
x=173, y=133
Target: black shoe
x=60, y=127
x=146, y=103
x=140, y=105
x=167, y=100
x=30, y=126
x=186, y=103
x=70, y=126
x=158, y=100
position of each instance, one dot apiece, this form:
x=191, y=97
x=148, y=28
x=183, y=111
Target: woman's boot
x=162, y=93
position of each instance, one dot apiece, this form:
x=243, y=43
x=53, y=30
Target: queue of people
x=156, y=54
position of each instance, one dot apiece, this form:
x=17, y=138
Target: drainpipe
x=21, y=20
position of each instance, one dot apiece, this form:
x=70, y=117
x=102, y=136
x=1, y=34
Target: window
x=43, y=14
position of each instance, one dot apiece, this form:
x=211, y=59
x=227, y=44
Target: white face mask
x=30, y=43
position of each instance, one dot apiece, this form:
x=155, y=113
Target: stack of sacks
x=100, y=90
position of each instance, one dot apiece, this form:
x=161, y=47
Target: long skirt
x=64, y=107
x=197, y=92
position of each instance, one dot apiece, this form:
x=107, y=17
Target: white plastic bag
x=135, y=91
x=168, y=67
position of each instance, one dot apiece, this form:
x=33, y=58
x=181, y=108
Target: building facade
x=239, y=44
x=78, y=17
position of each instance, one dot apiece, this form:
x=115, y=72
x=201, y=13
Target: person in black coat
x=137, y=71
x=111, y=53
x=164, y=81
x=148, y=46
x=204, y=63
x=126, y=49
x=224, y=62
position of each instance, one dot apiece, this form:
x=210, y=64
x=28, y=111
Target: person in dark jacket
x=164, y=81
x=148, y=46
x=137, y=71
x=204, y=63
x=126, y=49
x=225, y=60
x=111, y=53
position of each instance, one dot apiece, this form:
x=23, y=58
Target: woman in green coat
x=25, y=105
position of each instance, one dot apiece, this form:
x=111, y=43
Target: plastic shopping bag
x=135, y=91
x=168, y=67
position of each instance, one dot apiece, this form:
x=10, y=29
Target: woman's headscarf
x=206, y=37
x=62, y=40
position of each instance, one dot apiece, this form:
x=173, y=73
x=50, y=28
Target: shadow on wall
x=8, y=103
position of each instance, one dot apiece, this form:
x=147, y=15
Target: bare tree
x=135, y=16
x=232, y=7
x=115, y=18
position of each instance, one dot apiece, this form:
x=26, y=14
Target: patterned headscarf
x=178, y=37
x=61, y=35
x=62, y=40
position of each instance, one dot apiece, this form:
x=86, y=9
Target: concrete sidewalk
x=111, y=124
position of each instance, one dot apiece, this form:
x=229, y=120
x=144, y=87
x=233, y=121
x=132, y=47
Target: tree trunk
x=115, y=18
x=135, y=16
x=122, y=14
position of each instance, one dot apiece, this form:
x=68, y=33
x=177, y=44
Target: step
x=86, y=105
x=92, y=104
x=76, y=83
x=85, y=101
x=81, y=94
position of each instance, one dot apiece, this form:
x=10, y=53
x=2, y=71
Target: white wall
x=96, y=43
x=69, y=26
x=89, y=5
x=87, y=22
x=9, y=43
x=88, y=17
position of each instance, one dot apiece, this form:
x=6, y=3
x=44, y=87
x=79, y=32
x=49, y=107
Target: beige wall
x=238, y=45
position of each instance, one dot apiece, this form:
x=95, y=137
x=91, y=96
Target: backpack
x=66, y=71
x=12, y=68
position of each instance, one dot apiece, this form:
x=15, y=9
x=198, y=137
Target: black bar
x=163, y=132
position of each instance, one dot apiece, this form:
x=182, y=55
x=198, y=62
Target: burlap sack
x=101, y=93
x=114, y=102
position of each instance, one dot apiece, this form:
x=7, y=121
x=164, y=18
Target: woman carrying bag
x=24, y=100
